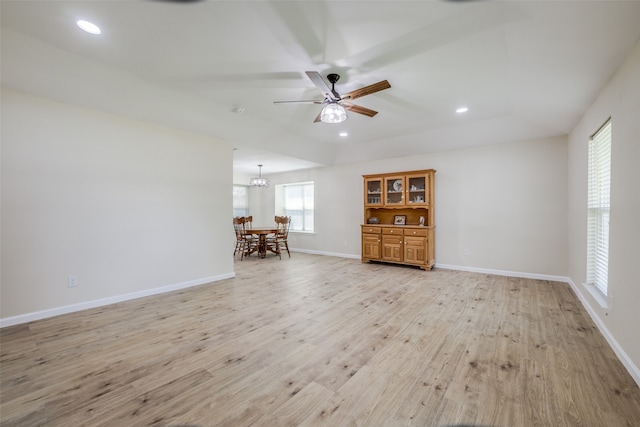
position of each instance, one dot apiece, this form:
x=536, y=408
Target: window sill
x=597, y=295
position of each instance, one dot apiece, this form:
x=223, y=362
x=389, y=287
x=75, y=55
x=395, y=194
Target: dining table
x=262, y=233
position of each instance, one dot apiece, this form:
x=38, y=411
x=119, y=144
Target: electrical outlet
x=466, y=252
x=73, y=281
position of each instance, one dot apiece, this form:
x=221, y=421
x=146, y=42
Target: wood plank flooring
x=322, y=341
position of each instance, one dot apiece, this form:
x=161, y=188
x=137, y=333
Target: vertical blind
x=599, y=182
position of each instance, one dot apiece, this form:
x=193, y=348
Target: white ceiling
x=525, y=69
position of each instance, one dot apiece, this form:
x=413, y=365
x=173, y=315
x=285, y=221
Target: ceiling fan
x=335, y=104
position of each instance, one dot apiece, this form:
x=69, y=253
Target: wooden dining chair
x=280, y=238
x=248, y=224
x=244, y=243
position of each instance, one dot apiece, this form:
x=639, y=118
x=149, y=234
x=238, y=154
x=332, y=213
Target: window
x=298, y=204
x=240, y=200
x=599, y=183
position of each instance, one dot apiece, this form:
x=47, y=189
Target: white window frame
x=598, y=208
x=240, y=204
x=305, y=222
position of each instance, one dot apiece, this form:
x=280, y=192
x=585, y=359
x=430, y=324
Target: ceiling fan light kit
x=259, y=182
x=333, y=113
x=336, y=105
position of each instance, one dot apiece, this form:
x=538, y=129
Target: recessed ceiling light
x=462, y=110
x=344, y=134
x=89, y=27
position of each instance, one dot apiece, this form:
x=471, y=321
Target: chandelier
x=259, y=181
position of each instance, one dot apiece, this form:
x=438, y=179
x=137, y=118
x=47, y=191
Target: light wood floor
x=322, y=341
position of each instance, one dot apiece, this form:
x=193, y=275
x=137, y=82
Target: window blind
x=299, y=205
x=599, y=185
x=240, y=200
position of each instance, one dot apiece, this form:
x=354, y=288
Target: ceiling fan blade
x=310, y=101
x=317, y=120
x=367, y=90
x=358, y=109
x=317, y=80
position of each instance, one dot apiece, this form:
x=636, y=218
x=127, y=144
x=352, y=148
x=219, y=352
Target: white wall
x=126, y=206
x=620, y=100
x=506, y=203
x=240, y=178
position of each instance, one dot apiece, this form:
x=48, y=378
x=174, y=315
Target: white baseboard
x=633, y=370
x=631, y=367
x=38, y=315
x=548, y=277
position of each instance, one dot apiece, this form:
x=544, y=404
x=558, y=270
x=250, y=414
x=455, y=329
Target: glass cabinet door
x=394, y=191
x=373, y=192
x=417, y=190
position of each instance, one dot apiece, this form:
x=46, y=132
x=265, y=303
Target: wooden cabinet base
x=398, y=244
x=425, y=267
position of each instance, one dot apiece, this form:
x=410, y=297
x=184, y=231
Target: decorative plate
x=397, y=185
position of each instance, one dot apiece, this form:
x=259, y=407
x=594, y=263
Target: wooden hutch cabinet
x=399, y=218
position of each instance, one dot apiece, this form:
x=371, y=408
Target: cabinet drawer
x=389, y=230
x=373, y=230
x=415, y=232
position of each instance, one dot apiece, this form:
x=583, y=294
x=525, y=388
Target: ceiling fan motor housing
x=333, y=78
